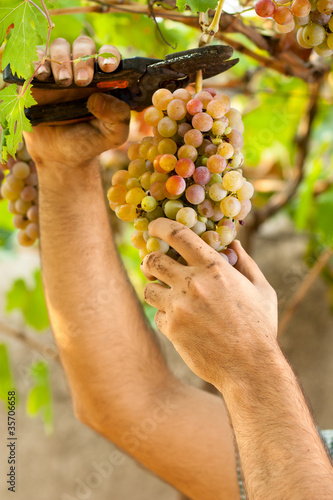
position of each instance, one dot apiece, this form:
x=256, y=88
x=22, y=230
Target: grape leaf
x=197, y=5
x=30, y=30
x=13, y=119
x=39, y=400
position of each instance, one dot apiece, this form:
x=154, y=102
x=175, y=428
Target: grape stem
x=38, y=8
x=215, y=24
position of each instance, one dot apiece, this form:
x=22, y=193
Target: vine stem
x=46, y=14
x=207, y=36
x=37, y=7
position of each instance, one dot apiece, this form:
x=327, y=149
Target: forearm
x=281, y=453
x=97, y=321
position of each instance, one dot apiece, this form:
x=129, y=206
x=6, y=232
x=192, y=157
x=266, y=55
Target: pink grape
x=195, y=194
x=157, y=190
x=232, y=256
x=183, y=128
x=202, y=175
x=177, y=109
x=216, y=164
x=282, y=15
x=206, y=208
x=194, y=106
x=202, y=122
x=264, y=8
x=193, y=138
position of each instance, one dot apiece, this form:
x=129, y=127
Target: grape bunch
x=189, y=171
x=312, y=18
x=19, y=185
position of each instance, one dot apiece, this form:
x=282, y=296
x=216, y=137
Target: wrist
x=56, y=175
x=258, y=364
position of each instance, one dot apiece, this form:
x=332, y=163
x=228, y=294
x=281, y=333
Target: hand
x=219, y=318
x=76, y=144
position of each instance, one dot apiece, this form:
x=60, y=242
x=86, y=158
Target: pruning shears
x=134, y=81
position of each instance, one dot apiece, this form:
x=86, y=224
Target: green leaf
x=197, y=5
x=323, y=218
x=30, y=30
x=6, y=379
x=39, y=400
x=12, y=117
x=31, y=302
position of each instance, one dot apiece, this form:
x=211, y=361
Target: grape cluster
x=18, y=181
x=312, y=18
x=189, y=171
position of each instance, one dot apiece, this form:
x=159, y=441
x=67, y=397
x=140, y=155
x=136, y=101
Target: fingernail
x=42, y=71
x=63, y=75
x=82, y=75
x=109, y=61
x=98, y=102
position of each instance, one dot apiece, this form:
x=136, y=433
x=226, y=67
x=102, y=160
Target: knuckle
x=60, y=42
x=151, y=259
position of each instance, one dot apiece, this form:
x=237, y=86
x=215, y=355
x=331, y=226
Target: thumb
x=247, y=266
x=113, y=115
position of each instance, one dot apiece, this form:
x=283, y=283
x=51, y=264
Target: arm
x=120, y=384
x=223, y=322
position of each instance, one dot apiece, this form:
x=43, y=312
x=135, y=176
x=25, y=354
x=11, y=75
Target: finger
x=246, y=265
x=83, y=70
x=162, y=267
x=44, y=70
x=109, y=64
x=60, y=51
x=161, y=321
x=188, y=244
x=113, y=117
x=156, y=295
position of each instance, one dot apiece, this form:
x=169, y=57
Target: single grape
x=126, y=212
x=218, y=127
x=156, y=176
x=286, y=28
x=212, y=238
x=161, y=99
x=301, y=8
x=183, y=128
x=244, y=210
x=136, y=168
x=185, y=167
x=187, y=151
x=264, y=8
x=157, y=190
x=13, y=183
x=211, y=149
x=325, y=6
x=301, y=40
x=195, y=194
x=168, y=162
x=22, y=206
x=152, y=116
x=193, y=138
x=201, y=175
x=182, y=94
x=199, y=228
x=232, y=181
x=226, y=150
x=202, y=122
x=145, y=180
x=172, y=207
x=32, y=231
x=167, y=146
x=20, y=221
x=236, y=139
x=282, y=15
x=234, y=117
x=148, y=203
x=157, y=245
x=216, y=164
x=232, y=256
x=187, y=216
x=194, y=106
x=135, y=196
x=177, y=109
x=329, y=41
x=245, y=192
x=206, y=208
x=230, y=206
x=32, y=213
x=175, y=185
x=28, y=193
x=137, y=240
x=314, y=34
x=216, y=108
x=133, y=152
x=319, y=18
x=217, y=192
x=21, y=170
x=23, y=239
x=167, y=127
x=141, y=224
